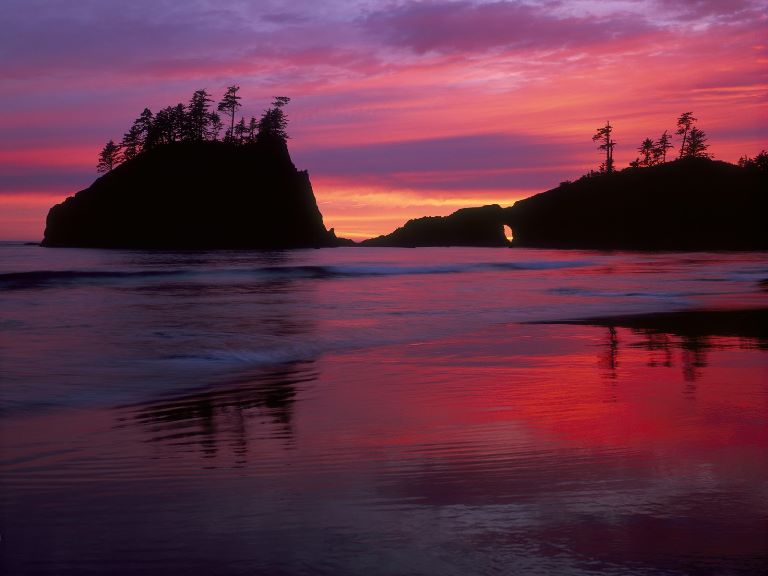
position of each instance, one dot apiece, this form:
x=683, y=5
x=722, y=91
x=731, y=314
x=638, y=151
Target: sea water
x=378, y=411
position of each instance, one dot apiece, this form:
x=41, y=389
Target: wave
x=42, y=278
x=256, y=356
x=54, y=278
x=598, y=293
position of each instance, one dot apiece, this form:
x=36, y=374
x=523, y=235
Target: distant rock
x=466, y=227
x=691, y=204
x=195, y=195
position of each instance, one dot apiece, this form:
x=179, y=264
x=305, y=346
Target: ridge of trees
x=195, y=122
x=652, y=152
x=759, y=162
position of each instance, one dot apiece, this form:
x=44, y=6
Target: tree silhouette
x=759, y=162
x=241, y=132
x=214, y=127
x=280, y=101
x=663, y=144
x=684, y=124
x=253, y=129
x=647, y=150
x=199, y=116
x=132, y=143
x=273, y=122
x=195, y=122
x=135, y=139
x=603, y=135
x=697, y=144
x=163, y=128
x=229, y=104
x=179, y=128
x=109, y=157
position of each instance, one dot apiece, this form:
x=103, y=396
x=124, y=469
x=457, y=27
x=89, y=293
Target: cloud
x=23, y=181
x=482, y=161
x=462, y=26
x=723, y=10
x=477, y=152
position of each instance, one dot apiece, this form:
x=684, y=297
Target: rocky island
x=482, y=227
x=195, y=195
x=687, y=204
x=172, y=184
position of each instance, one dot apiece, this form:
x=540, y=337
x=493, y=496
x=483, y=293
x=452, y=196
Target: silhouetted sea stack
x=466, y=227
x=690, y=204
x=195, y=195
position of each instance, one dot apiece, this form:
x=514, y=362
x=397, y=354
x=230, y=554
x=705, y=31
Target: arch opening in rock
x=508, y=233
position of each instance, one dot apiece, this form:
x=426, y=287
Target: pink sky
x=399, y=110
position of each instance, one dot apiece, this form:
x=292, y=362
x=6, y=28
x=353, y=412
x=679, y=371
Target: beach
x=383, y=411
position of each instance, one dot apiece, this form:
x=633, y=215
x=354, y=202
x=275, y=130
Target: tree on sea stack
x=647, y=150
x=759, y=162
x=684, y=124
x=134, y=141
x=274, y=122
x=603, y=135
x=199, y=117
x=229, y=104
x=662, y=145
x=241, y=132
x=109, y=157
x=697, y=144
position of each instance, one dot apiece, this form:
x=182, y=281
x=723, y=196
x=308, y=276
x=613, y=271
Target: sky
x=399, y=109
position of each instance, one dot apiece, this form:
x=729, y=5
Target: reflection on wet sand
x=258, y=405
x=695, y=333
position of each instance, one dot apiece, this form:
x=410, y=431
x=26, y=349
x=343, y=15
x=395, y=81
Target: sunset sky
x=399, y=109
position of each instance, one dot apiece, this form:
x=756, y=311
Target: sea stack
x=689, y=204
x=195, y=195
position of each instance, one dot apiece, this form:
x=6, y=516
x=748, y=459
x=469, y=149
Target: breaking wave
x=56, y=278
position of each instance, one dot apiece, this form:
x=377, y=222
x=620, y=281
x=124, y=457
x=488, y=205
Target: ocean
x=376, y=411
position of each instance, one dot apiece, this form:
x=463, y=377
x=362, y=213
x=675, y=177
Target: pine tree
x=109, y=157
x=214, y=127
x=131, y=144
x=241, y=132
x=253, y=129
x=199, y=116
x=663, y=144
x=603, y=135
x=696, y=146
x=135, y=139
x=759, y=162
x=161, y=131
x=229, y=104
x=646, y=149
x=273, y=122
x=179, y=123
x=684, y=124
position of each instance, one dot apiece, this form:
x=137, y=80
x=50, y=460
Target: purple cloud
x=726, y=10
x=484, y=161
x=461, y=25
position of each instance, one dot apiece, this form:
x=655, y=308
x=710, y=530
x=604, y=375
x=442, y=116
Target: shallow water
x=378, y=411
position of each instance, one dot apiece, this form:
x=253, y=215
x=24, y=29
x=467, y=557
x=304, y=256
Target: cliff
x=195, y=195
